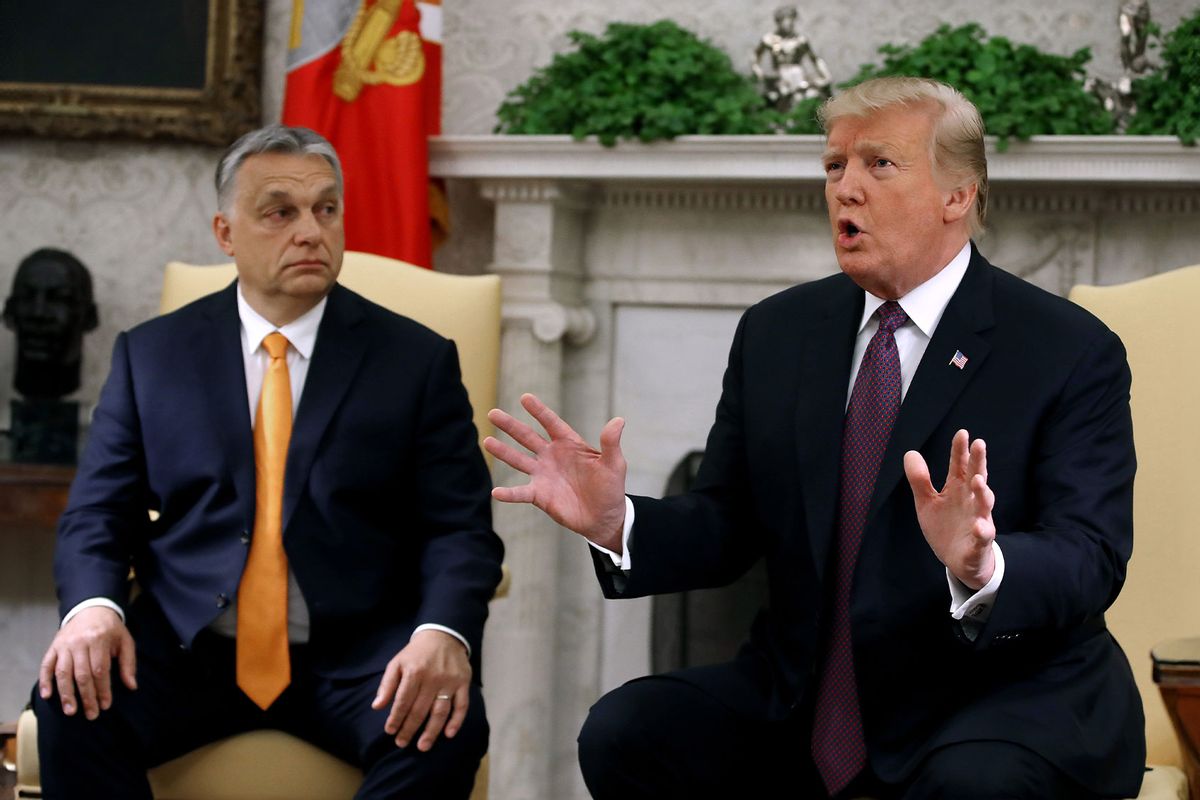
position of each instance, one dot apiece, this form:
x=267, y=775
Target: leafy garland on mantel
x=1169, y=99
x=659, y=81
x=1019, y=90
x=644, y=82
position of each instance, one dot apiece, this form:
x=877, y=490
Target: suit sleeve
x=460, y=563
x=1070, y=565
x=706, y=537
x=106, y=512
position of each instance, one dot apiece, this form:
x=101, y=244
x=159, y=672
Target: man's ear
x=959, y=202
x=223, y=233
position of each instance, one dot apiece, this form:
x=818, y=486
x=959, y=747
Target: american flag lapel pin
x=959, y=360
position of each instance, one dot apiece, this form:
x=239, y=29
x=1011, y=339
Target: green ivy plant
x=801, y=118
x=1019, y=90
x=646, y=82
x=1168, y=100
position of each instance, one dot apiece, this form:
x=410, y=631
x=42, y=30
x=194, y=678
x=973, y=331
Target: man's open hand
x=957, y=521
x=80, y=660
x=578, y=486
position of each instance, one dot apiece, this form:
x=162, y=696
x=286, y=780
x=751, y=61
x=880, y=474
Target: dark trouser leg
x=183, y=701
x=990, y=771
x=336, y=715
x=82, y=759
x=661, y=737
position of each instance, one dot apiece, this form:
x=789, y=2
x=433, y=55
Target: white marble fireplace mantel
x=1121, y=160
x=625, y=270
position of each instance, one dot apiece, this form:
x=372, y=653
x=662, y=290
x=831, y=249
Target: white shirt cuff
x=976, y=607
x=93, y=602
x=622, y=561
x=433, y=626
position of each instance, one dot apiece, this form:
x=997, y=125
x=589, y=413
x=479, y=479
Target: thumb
x=917, y=472
x=610, y=439
x=388, y=684
x=127, y=660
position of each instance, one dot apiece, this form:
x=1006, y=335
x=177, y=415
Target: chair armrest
x=505, y=583
x=8, y=746
x=29, y=773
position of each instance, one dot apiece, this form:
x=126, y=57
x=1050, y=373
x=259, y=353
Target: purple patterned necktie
x=839, y=750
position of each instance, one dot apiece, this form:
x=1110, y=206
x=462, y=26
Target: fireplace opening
x=692, y=629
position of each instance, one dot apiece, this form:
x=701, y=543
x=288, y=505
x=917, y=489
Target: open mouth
x=848, y=232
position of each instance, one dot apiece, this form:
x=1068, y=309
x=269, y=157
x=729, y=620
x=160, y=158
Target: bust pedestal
x=1177, y=673
x=44, y=431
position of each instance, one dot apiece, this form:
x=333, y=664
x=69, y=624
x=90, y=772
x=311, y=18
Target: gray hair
x=271, y=139
x=957, y=148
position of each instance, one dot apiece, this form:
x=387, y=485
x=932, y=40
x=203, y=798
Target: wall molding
x=1083, y=160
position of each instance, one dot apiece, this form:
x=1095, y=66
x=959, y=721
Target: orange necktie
x=263, y=666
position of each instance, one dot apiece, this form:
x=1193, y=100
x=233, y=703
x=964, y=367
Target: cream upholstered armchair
x=271, y=765
x=1155, y=318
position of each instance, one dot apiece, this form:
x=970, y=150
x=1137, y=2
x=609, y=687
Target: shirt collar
x=925, y=304
x=301, y=332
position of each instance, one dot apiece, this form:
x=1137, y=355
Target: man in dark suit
x=327, y=575
x=919, y=643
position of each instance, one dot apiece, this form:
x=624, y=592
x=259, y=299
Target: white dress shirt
x=924, y=306
x=301, y=334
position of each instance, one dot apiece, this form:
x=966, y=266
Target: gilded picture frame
x=226, y=105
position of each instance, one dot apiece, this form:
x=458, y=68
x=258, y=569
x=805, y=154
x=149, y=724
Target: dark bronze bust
x=50, y=308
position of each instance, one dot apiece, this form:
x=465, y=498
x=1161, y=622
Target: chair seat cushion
x=266, y=765
x=1164, y=783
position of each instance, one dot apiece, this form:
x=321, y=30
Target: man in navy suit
x=384, y=516
x=918, y=643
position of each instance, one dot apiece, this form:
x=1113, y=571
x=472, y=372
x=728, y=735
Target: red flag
x=367, y=75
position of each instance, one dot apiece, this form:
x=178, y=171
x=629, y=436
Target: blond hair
x=956, y=150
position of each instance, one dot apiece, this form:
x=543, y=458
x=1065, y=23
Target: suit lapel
x=821, y=410
x=223, y=378
x=937, y=382
x=335, y=360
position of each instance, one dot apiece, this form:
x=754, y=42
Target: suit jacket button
x=222, y=600
x=245, y=537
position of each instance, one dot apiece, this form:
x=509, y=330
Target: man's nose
x=849, y=186
x=306, y=230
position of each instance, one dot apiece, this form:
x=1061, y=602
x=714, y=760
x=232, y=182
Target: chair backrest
x=1154, y=318
x=465, y=308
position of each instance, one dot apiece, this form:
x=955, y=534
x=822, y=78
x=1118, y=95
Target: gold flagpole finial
x=297, y=23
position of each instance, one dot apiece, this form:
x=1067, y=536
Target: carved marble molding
x=683, y=197
x=1017, y=198
x=1118, y=199
x=1085, y=160
x=551, y=322
x=1009, y=198
x=573, y=195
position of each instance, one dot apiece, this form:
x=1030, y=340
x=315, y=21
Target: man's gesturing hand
x=80, y=659
x=429, y=679
x=581, y=488
x=957, y=522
